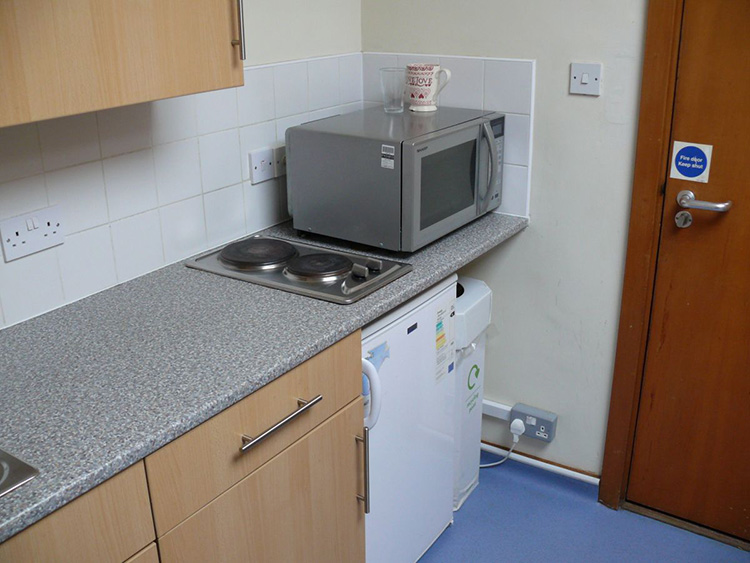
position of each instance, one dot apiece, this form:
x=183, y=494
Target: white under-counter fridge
x=409, y=364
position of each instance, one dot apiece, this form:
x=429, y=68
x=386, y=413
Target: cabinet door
x=300, y=506
x=61, y=57
x=109, y=523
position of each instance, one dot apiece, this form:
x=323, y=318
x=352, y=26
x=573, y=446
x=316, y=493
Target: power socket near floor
x=30, y=233
x=540, y=424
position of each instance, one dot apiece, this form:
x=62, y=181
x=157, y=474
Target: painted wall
x=557, y=286
x=298, y=29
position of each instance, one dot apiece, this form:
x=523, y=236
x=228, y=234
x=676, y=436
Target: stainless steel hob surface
x=14, y=473
x=301, y=268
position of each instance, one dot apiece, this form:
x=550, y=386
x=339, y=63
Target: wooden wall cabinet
x=63, y=57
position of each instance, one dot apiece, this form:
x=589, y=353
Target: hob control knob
x=361, y=272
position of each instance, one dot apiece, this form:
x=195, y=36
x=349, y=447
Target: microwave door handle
x=490, y=138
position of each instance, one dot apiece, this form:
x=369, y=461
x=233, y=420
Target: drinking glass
x=392, y=84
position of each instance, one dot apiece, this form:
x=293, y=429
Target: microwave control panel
x=498, y=131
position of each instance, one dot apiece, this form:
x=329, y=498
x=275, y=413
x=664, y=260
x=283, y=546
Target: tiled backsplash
x=146, y=185
x=150, y=184
x=504, y=85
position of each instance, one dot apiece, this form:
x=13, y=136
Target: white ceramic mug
x=423, y=84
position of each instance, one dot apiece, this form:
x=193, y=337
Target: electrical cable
x=496, y=463
x=517, y=428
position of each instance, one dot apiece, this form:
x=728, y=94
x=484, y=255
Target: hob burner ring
x=322, y=267
x=258, y=254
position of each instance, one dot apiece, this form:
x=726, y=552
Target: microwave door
x=441, y=180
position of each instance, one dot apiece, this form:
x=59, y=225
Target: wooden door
x=691, y=454
x=61, y=57
x=300, y=506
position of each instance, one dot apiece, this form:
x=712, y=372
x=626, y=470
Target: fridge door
x=411, y=446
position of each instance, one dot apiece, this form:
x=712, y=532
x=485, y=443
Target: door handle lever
x=686, y=199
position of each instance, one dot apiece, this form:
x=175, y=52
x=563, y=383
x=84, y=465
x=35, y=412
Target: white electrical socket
x=261, y=165
x=279, y=161
x=30, y=233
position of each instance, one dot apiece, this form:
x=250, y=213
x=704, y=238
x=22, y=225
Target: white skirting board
x=542, y=465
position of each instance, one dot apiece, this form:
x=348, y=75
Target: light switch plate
x=586, y=78
x=30, y=233
x=261, y=165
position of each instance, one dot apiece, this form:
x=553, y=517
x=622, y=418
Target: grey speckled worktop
x=91, y=388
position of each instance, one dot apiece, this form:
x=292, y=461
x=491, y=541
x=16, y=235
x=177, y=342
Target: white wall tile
x=507, y=86
x=80, y=191
x=515, y=190
x=255, y=99
x=130, y=184
x=69, y=140
x=220, y=160
x=360, y=105
x=21, y=196
x=371, y=65
x=466, y=86
x=137, y=245
x=517, y=131
x=283, y=124
x=173, y=119
x=225, y=215
x=323, y=83
x=216, y=111
x=178, y=171
x=183, y=228
x=20, y=155
x=265, y=204
x=290, y=88
x=124, y=129
x=87, y=263
x=255, y=137
x=30, y=286
x=350, y=78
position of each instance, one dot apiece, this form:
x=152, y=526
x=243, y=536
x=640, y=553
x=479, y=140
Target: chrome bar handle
x=686, y=199
x=490, y=136
x=366, y=441
x=248, y=441
x=241, y=40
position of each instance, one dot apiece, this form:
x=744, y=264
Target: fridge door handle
x=376, y=394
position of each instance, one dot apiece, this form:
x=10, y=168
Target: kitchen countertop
x=91, y=388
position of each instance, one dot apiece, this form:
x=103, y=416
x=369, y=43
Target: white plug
x=517, y=427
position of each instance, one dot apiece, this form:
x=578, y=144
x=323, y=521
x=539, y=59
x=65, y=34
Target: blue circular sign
x=691, y=161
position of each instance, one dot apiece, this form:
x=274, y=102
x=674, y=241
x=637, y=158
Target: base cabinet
x=109, y=523
x=300, y=506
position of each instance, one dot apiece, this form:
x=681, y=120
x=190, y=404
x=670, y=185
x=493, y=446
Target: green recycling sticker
x=473, y=374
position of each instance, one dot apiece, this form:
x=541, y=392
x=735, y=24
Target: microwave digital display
x=448, y=180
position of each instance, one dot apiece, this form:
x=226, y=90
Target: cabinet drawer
x=109, y=523
x=301, y=506
x=194, y=469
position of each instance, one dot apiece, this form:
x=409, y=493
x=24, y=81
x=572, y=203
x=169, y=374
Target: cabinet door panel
x=61, y=57
x=109, y=523
x=197, y=467
x=300, y=506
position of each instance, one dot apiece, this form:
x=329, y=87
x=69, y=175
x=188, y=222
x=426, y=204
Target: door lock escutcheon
x=683, y=219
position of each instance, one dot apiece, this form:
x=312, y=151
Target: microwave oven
x=394, y=181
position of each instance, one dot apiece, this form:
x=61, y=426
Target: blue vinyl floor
x=521, y=513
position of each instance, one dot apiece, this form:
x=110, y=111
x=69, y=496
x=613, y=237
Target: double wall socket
x=539, y=424
x=267, y=163
x=30, y=233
